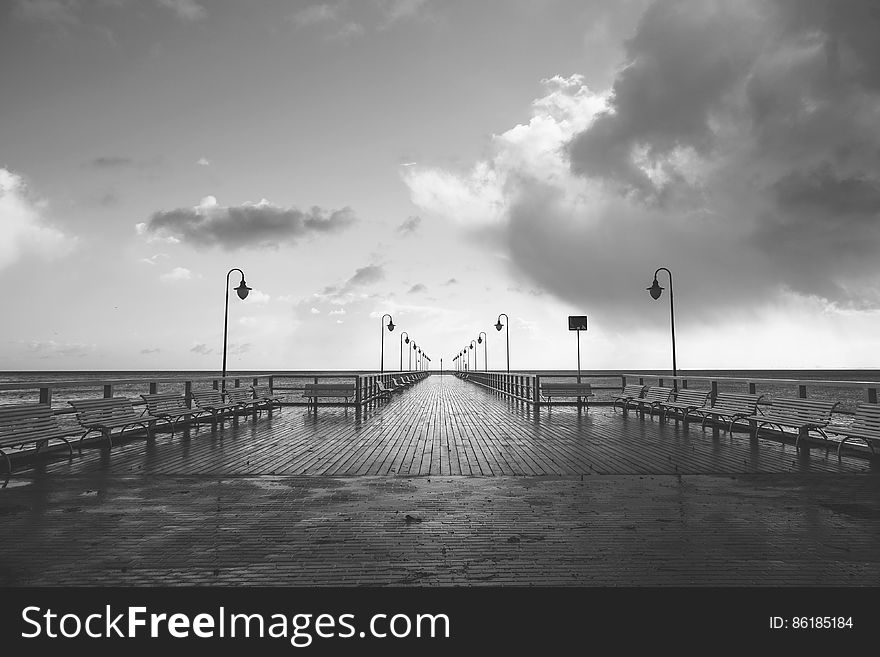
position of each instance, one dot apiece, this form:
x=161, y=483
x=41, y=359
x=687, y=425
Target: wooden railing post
x=153, y=387
x=802, y=391
x=536, y=400
x=46, y=396
x=872, y=395
x=108, y=390
x=714, y=393
x=188, y=393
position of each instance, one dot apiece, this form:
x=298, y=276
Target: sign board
x=577, y=322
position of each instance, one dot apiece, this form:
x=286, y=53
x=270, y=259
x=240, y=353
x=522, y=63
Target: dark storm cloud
x=248, y=225
x=777, y=103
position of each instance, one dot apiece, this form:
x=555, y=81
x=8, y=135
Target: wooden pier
x=447, y=483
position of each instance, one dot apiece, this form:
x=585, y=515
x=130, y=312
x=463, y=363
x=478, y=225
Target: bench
x=386, y=391
x=110, y=413
x=653, y=397
x=244, y=399
x=566, y=389
x=402, y=381
x=171, y=406
x=627, y=395
x=315, y=391
x=266, y=398
x=865, y=427
x=21, y=424
x=212, y=401
x=729, y=406
x=686, y=400
x=804, y=415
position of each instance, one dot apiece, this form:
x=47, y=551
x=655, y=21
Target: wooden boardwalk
x=445, y=426
x=445, y=485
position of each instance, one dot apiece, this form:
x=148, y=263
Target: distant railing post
x=216, y=385
x=537, y=392
x=153, y=387
x=271, y=382
x=188, y=393
x=237, y=382
x=752, y=389
x=802, y=391
x=872, y=395
x=108, y=390
x=357, y=393
x=46, y=396
x=714, y=393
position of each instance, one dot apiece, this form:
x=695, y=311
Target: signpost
x=578, y=323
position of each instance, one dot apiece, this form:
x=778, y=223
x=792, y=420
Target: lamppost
x=471, y=346
x=382, y=330
x=242, y=291
x=419, y=359
x=656, y=290
x=485, y=349
x=499, y=326
x=402, y=333
x=415, y=348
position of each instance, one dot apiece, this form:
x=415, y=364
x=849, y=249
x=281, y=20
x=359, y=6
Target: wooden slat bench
x=686, y=400
x=804, y=415
x=315, y=391
x=731, y=407
x=627, y=395
x=171, y=406
x=21, y=424
x=551, y=389
x=865, y=427
x=110, y=413
x=212, y=401
x=244, y=399
x=651, y=400
x=266, y=398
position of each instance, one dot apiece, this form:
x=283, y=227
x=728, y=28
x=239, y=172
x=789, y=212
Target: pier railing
x=526, y=387
x=289, y=385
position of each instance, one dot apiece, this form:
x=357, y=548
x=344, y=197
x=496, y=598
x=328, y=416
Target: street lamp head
x=406, y=339
x=480, y=340
x=242, y=289
x=656, y=290
x=499, y=325
x=390, y=325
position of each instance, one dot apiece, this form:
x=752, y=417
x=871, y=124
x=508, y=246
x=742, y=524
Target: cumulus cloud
x=365, y=276
x=188, y=10
x=202, y=349
x=24, y=228
x=203, y=162
x=150, y=351
x=415, y=289
x=262, y=224
x=737, y=146
x=53, y=349
x=176, y=274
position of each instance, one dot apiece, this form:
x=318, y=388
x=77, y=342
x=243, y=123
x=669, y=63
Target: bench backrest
x=166, y=402
x=658, y=394
x=329, y=389
x=806, y=410
x=239, y=395
x=692, y=397
x=632, y=390
x=22, y=420
x=208, y=398
x=263, y=392
x=867, y=420
x=92, y=411
x=571, y=388
x=736, y=403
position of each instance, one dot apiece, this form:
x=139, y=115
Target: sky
x=443, y=162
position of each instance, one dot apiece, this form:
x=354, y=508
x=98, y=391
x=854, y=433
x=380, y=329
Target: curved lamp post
x=472, y=345
x=242, y=291
x=656, y=290
x=499, y=326
x=402, y=333
x=480, y=338
x=382, y=330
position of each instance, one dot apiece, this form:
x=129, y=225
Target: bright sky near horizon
x=444, y=162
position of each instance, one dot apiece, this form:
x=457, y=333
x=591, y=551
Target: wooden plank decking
x=445, y=426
